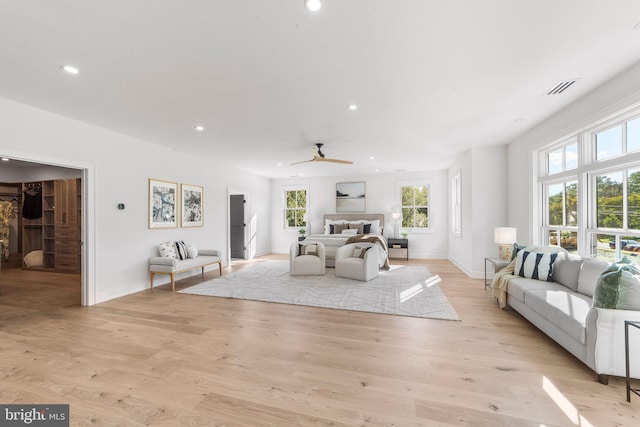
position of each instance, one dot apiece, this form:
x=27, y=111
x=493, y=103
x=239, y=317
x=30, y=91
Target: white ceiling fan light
x=313, y=5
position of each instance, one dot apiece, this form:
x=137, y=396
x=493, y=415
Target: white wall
x=615, y=95
x=484, y=206
x=381, y=194
x=120, y=167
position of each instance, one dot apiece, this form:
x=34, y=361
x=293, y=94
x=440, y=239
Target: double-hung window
x=295, y=206
x=415, y=206
x=589, y=198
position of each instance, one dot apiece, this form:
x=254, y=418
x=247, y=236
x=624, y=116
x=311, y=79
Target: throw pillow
x=619, y=286
x=192, y=252
x=516, y=248
x=534, y=265
x=358, y=227
x=310, y=250
x=181, y=250
x=359, y=251
x=337, y=228
x=567, y=270
x=351, y=231
x=366, y=228
x=590, y=271
x=167, y=249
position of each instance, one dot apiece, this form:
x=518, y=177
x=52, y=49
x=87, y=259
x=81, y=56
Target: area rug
x=402, y=290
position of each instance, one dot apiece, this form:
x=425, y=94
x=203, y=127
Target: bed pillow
x=337, y=228
x=535, y=265
x=167, y=249
x=618, y=287
x=358, y=227
x=350, y=231
x=328, y=223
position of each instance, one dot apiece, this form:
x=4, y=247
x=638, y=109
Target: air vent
x=560, y=87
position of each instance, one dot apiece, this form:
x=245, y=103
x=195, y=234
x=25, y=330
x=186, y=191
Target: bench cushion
x=173, y=265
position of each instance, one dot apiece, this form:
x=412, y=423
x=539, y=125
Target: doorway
x=44, y=262
x=237, y=225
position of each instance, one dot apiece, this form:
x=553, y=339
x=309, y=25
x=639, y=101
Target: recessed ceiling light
x=377, y=170
x=313, y=5
x=353, y=107
x=279, y=164
x=371, y=158
x=4, y=159
x=199, y=128
x=70, y=69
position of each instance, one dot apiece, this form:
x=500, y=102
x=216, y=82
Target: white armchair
x=307, y=258
x=354, y=264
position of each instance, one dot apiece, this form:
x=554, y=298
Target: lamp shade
x=505, y=235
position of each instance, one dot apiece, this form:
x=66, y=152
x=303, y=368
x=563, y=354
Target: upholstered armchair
x=357, y=261
x=307, y=258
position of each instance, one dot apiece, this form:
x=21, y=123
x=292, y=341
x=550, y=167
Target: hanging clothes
x=32, y=206
x=6, y=213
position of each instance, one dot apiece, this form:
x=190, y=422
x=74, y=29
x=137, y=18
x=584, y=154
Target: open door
x=237, y=226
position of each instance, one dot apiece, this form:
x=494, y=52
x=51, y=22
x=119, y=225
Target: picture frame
x=163, y=198
x=350, y=197
x=192, y=205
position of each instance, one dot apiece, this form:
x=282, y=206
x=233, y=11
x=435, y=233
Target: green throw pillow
x=516, y=248
x=618, y=287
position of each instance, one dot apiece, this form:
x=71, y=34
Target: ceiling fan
x=318, y=156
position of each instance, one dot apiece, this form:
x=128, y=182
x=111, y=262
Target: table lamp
x=505, y=237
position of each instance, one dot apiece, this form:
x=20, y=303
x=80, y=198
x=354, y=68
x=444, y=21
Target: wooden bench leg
x=151, y=274
x=173, y=281
x=220, y=267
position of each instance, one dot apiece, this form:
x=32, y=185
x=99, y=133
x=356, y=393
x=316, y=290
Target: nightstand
x=497, y=264
x=398, y=248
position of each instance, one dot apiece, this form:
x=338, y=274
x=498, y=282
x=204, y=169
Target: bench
x=173, y=266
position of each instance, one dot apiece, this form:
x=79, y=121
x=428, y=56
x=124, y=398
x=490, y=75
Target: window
x=295, y=207
x=589, y=189
x=562, y=159
x=415, y=206
x=618, y=139
x=456, y=211
x=561, y=216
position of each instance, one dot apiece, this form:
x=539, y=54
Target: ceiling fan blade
x=346, y=162
x=305, y=161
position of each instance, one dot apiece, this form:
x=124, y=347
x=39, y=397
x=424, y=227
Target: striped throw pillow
x=534, y=265
x=181, y=250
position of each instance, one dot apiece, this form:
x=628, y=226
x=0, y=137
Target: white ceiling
x=268, y=79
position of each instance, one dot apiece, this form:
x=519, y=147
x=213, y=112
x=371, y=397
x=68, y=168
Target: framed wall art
x=350, y=197
x=163, y=198
x=192, y=206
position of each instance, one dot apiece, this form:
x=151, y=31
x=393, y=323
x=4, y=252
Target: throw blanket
x=372, y=238
x=500, y=283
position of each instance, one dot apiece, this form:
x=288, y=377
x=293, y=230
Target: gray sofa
x=563, y=309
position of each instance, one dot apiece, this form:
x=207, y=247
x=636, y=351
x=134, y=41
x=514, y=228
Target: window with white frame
x=295, y=202
x=415, y=206
x=456, y=210
x=596, y=173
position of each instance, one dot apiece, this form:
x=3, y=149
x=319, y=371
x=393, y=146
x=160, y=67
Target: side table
x=398, y=248
x=636, y=325
x=497, y=264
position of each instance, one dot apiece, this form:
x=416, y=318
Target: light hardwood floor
x=166, y=359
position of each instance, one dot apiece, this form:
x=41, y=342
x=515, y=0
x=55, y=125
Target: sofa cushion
x=565, y=309
x=590, y=270
x=535, y=265
x=519, y=286
x=567, y=270
x=167, y=249
x=618, y=287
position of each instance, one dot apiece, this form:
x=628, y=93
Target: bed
x=335, y=235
